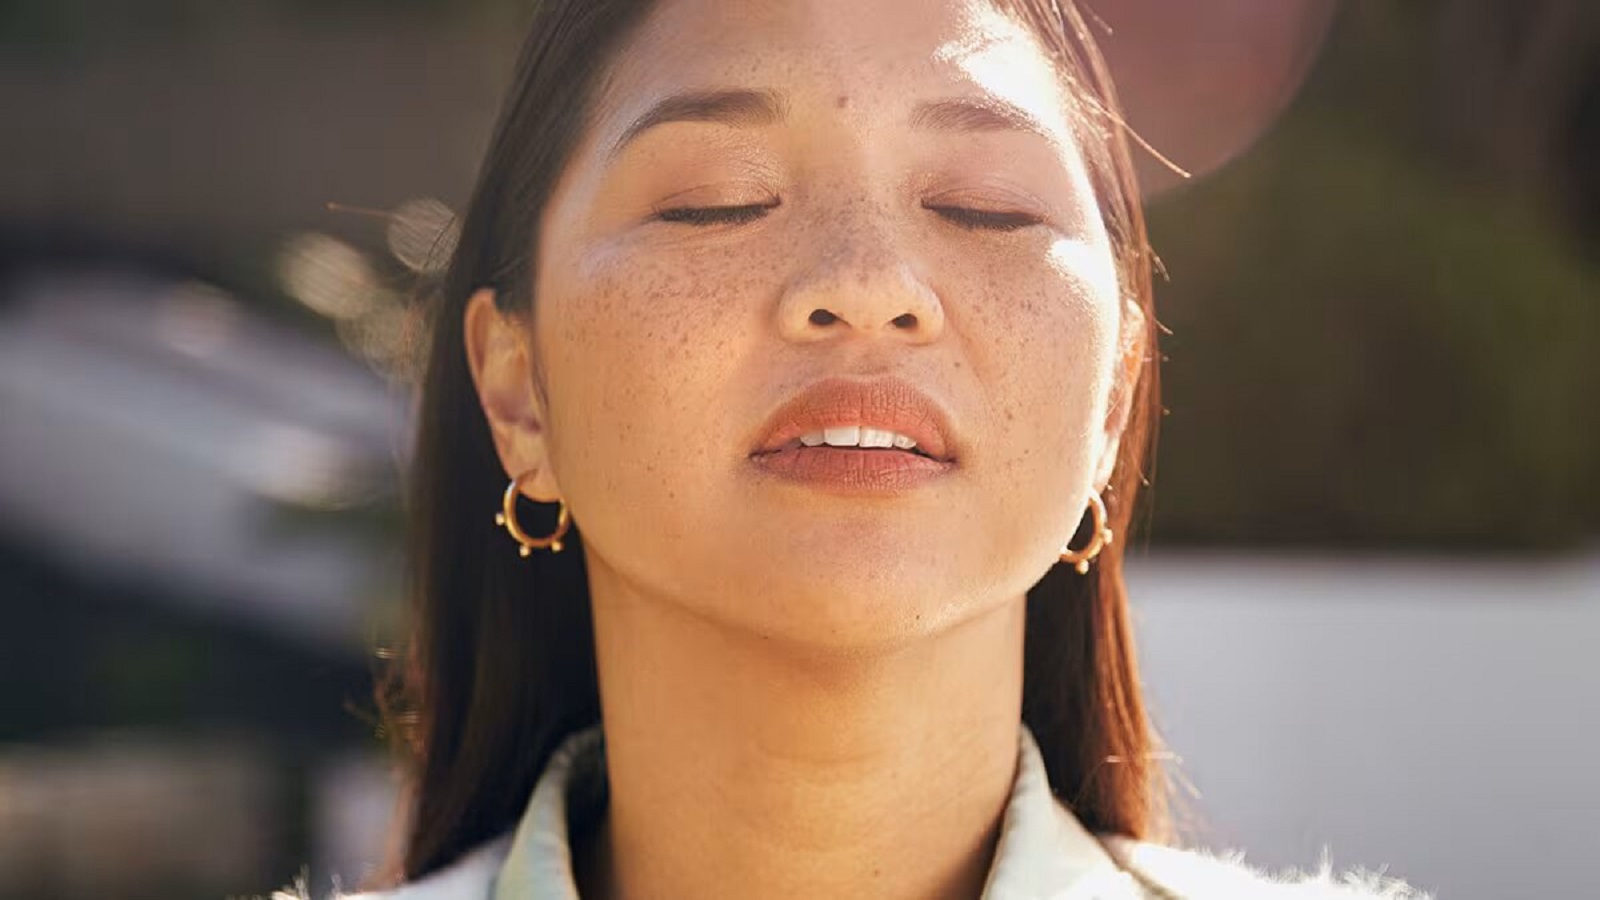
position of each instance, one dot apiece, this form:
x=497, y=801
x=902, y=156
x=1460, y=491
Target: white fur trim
x=1206, y=874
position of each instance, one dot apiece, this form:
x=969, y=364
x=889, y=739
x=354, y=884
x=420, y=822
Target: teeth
x=872, y=437
x=848, y=436
x=856, y=436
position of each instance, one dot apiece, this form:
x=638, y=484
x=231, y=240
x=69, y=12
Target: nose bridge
x=856, y=272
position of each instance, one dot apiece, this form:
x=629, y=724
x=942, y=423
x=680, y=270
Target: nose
x=860, y=285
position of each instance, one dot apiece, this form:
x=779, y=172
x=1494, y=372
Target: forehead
x=877, y=56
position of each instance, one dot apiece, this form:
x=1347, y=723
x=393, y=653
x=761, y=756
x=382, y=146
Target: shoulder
x=1205, y=874
x=470, y=876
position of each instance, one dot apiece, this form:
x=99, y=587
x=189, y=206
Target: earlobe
x=501, y=363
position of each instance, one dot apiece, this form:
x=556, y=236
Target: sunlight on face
x=988, y=52
x=767, y=194
x=988, y=55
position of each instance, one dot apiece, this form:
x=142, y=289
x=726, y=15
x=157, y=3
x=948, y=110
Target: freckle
x=843, y=101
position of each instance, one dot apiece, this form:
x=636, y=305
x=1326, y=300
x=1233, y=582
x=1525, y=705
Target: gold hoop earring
x=1101, y=537
x=508, y=518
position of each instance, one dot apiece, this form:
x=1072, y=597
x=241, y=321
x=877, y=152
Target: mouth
x=854, y=437
x=881, y=435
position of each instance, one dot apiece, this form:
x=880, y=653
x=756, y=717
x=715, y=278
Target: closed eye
x=716, y=215
x=990, y=220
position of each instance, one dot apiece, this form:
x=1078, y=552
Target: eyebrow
x=731, y=107
x=975, y=114
x=750, y=108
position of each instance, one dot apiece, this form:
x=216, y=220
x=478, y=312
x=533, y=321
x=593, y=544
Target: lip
x=886, y=403
x=889, y=404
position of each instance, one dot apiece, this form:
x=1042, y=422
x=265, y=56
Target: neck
x=806, y=773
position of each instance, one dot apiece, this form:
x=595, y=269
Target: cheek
x=1042, y=340
x=1041, y=343
x=639, y=354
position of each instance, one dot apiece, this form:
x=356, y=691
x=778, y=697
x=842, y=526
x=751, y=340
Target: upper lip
x=890, y=404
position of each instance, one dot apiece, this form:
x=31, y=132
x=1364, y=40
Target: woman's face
x=775, y=194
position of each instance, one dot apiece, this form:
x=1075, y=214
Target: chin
x=815, y=608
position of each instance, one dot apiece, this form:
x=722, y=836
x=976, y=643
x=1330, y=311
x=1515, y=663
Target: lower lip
x=852, y=469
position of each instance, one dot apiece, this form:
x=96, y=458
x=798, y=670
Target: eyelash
x=716, y=215
x=963, y=217
x=983, y=219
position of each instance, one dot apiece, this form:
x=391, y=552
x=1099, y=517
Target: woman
x=809, y=346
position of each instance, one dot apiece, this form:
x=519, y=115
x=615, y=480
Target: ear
x=1134, y=343
x=501, y=360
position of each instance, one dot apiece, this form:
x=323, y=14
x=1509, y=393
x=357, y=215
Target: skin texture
x=819, y=691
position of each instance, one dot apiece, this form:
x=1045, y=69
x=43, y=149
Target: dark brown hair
x=500, y=664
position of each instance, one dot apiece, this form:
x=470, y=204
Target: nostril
x=823, y=317
x=905, y=320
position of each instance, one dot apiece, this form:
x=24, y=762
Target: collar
x=1043, y=852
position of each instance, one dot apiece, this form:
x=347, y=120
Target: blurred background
x=1372, y=579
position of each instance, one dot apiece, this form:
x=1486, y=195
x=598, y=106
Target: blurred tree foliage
x=46, y=26
x=1385, y=317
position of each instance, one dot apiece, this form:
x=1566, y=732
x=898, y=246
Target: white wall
x=1440, y=716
